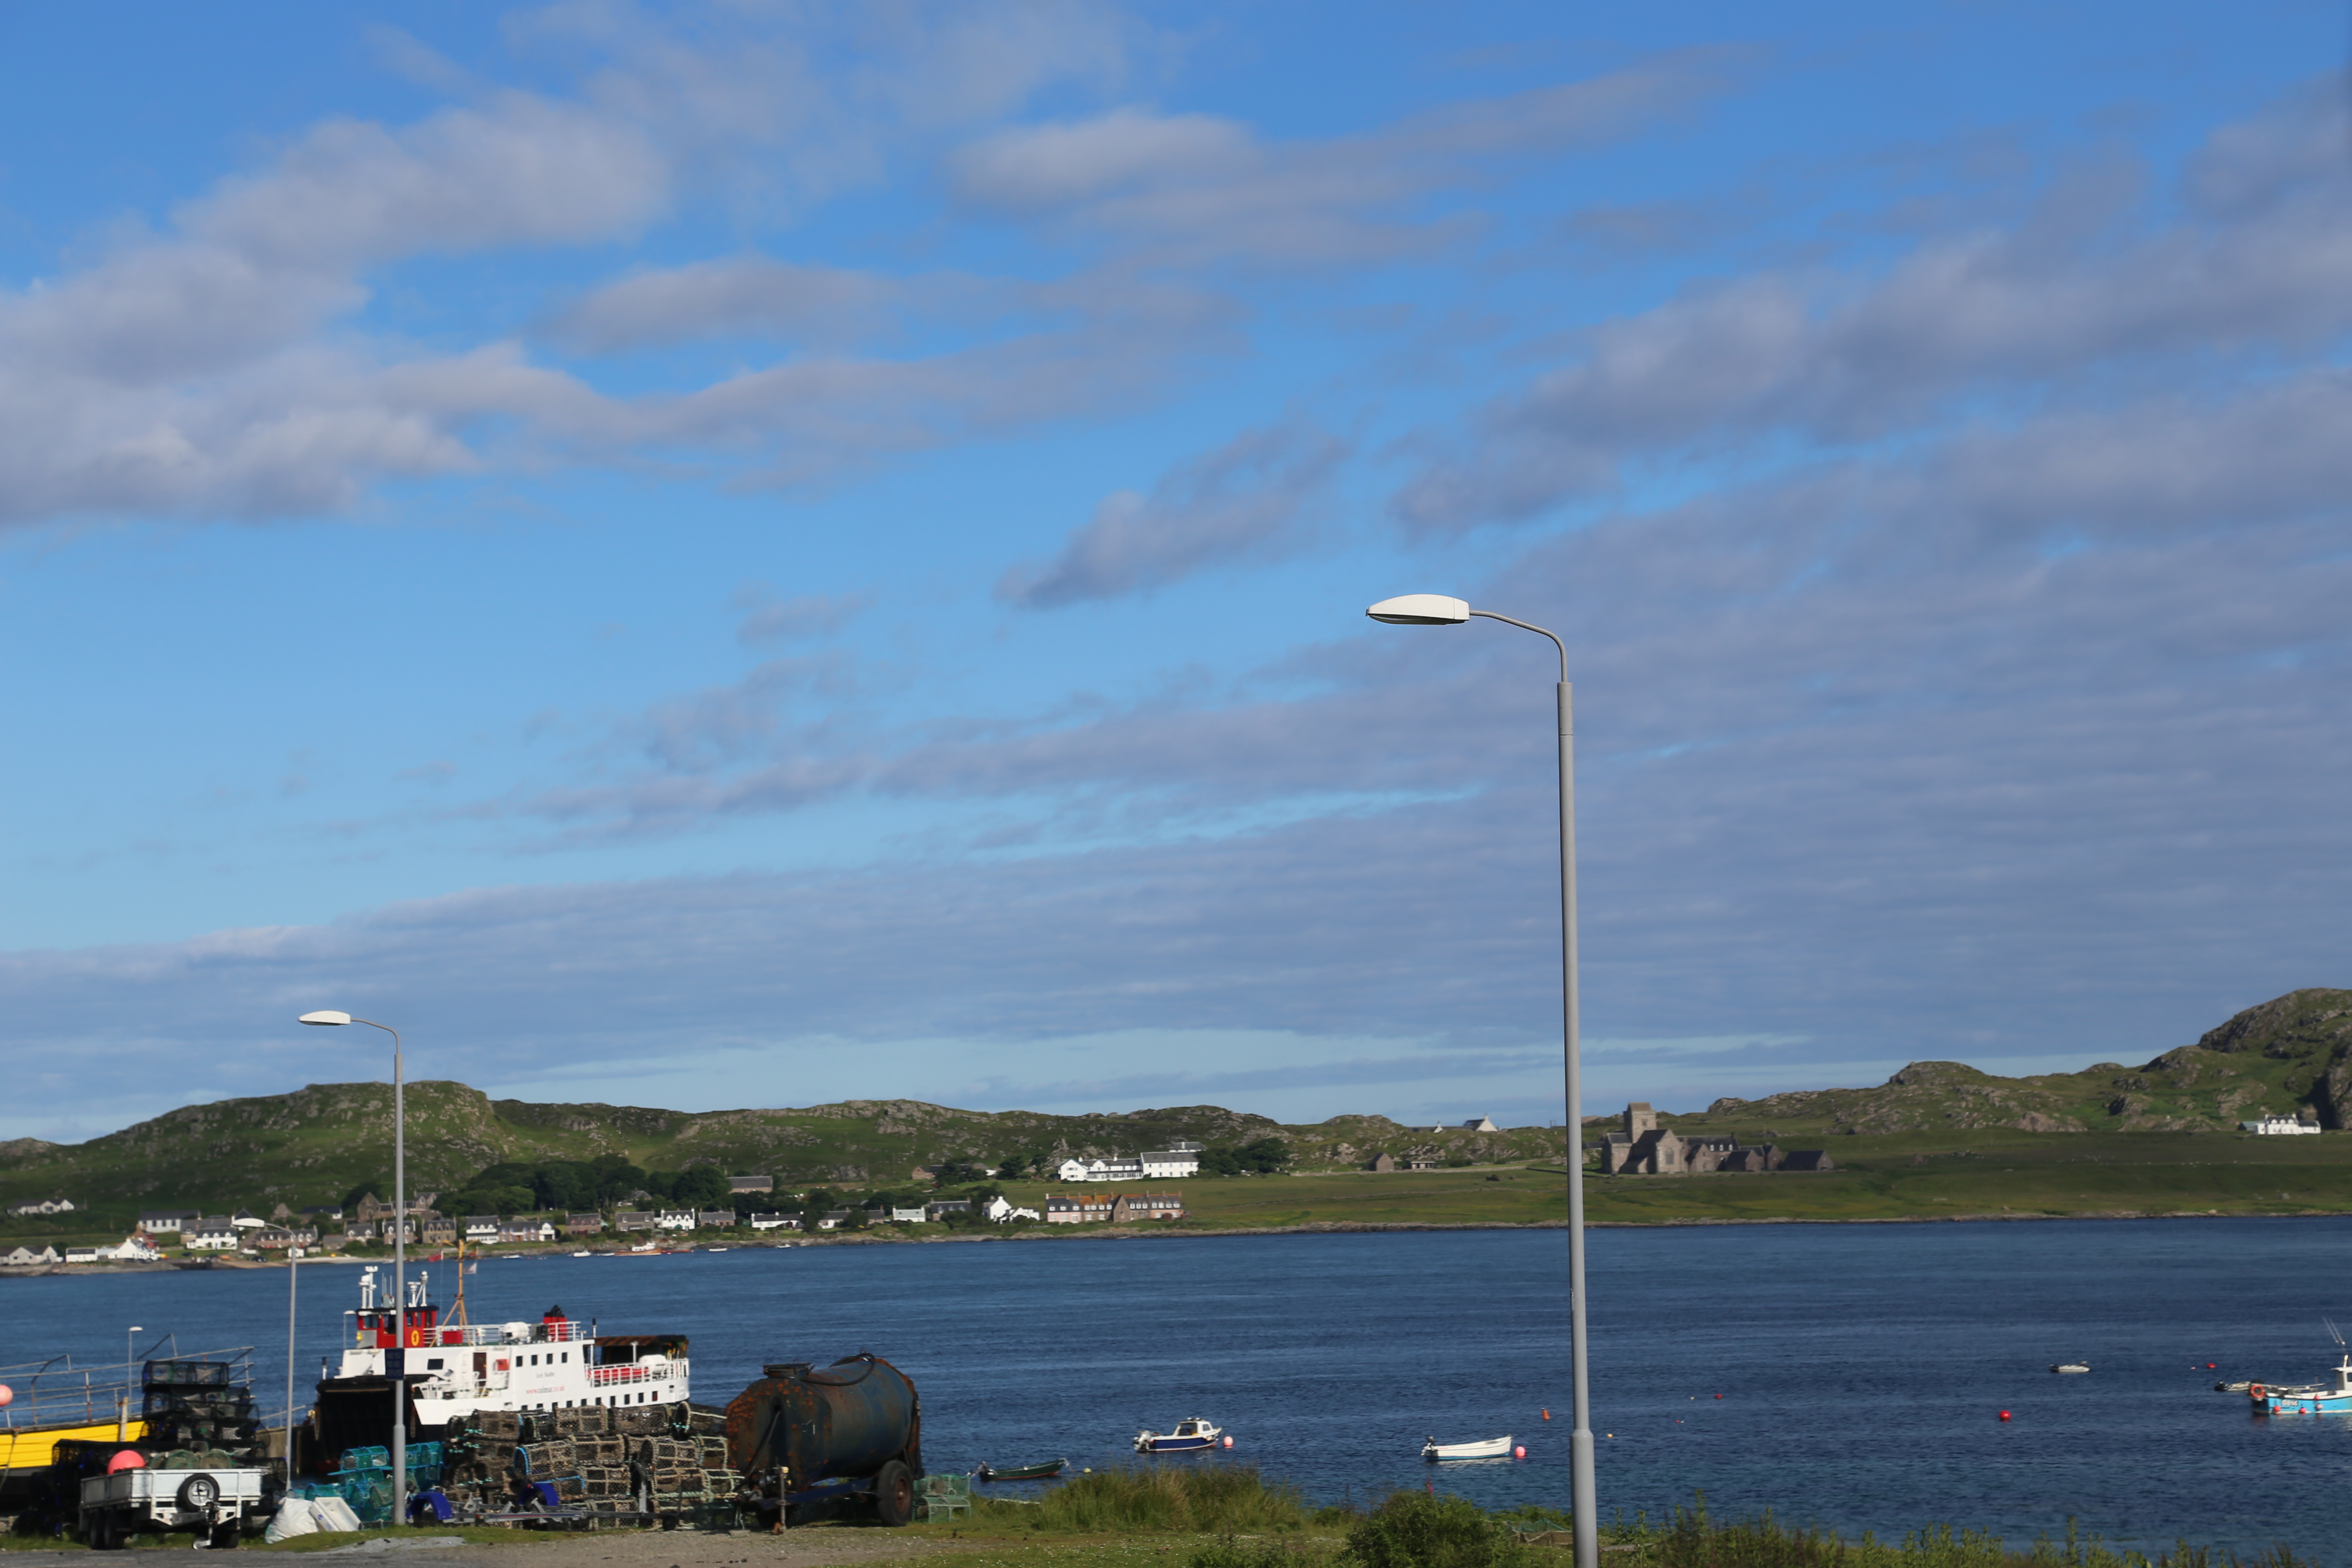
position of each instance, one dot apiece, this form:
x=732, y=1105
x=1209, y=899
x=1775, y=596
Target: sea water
x=1851, y=1377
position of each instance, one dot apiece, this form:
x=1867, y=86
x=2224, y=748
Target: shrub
x=1204, y=1500
x=1412, y=1530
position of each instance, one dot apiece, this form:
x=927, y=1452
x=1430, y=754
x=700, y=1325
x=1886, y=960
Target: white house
x=1481, y=1124
x=1180, y=1158
x=83, y=1255
x=246, y=1219
x=134, y=1249
x=832, y=1221
x=482, y=1229
x=1112, y=1170
x=43, y=1205
x=775, y=1222
x=24, y=1256
x=209, y=1236
x=165, y=1222
x=909, y=1214
x=674, y=1219
x=1070, y=1171
x=528, y=1230
x=999, y=1211
x=2279, y=1126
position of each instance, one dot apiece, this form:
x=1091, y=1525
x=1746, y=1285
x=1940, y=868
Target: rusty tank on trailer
x=804, y=1433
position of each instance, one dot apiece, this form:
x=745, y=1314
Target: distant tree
x=702, y=1187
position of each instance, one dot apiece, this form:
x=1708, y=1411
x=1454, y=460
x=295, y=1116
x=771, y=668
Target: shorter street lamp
x=396, y=1363
x=1439, y=610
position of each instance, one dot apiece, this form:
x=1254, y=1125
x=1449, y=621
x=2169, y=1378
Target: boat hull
x=1173, y=1445
x=1045, y=1472
x=1492, y=1448
x=2303, y=1402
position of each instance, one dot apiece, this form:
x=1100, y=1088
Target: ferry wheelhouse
x=452, y=1367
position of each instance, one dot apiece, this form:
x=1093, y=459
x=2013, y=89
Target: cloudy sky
x=748, y=555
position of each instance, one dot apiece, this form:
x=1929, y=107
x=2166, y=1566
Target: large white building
x=1180, y=1158
x=2279, y=1126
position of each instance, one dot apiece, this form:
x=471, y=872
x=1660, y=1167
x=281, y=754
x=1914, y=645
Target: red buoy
x=1520, y=1452
x=2004, y=1415
x=1229, y=1442
x=1718, y=1397
x=128, y=1459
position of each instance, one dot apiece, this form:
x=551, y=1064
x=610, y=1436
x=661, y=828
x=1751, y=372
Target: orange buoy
x=128, y=1459
x=1520, y=1452
x=1547, y=1415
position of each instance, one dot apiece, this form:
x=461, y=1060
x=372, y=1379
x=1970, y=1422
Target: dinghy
x=2071, y=1366
x=1044, y=1470
x=1492, y=1448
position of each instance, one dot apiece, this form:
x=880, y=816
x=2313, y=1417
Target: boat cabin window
x=433, y=1365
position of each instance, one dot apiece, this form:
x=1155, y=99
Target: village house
x=582, y=1224
x=832, y=1220
x=2274, y=1126
x=1180, y=1158
x=1078, y=1210
x=1131, y=1206
x=714, y=1219
x=1644, y=1149
x=278, y=1238
x=1380, y=1162
x=634, y=1219
x=209, y=1234
x=482, y=1229
x=165, y=1222
x=909, y=1214
x=674, y=1219
x=945, y=1206
x=1001, y=1210
x=33, y=1207
x=26, y=1257
x=521, y=1229
x=750, y=1184
x=775, y=1222
x=438, y=1230
x=1481, y=1124
x=1114, y=1169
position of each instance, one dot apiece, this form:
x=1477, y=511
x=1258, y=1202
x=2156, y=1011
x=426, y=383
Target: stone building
x=1645, y=1149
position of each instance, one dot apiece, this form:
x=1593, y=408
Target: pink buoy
x=1520, y=1452
x=128, y=1459
x=1229, y=1441
x=7, y=1396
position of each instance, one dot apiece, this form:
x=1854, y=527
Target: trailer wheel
x=894, y=1493
x=199, y=1492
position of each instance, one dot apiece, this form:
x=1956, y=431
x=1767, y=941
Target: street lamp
x=396, y=1364
x=1438, y=610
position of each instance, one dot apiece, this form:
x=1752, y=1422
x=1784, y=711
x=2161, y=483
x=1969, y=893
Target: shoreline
x=1137, y=1233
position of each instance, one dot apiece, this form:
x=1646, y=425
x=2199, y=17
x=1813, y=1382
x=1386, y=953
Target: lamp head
x=1420, y=610
x=325, y=1018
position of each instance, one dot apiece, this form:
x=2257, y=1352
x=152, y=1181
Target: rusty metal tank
x=847, y=1420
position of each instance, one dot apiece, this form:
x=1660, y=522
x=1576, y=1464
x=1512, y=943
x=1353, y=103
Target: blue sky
x=755, y=554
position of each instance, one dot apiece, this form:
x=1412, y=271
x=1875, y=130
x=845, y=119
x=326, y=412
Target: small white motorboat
x=2071, y=1366
x=1197, y=1432
x=1492, y=1448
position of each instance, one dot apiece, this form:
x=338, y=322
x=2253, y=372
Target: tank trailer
x=804, y=1436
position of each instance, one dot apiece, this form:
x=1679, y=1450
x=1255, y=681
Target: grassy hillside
x=314, y=1145
x=1938, y=1138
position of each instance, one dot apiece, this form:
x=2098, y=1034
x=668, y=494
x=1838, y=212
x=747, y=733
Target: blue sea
x=1845, y=1376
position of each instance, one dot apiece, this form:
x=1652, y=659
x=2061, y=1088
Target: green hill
x=316, y=1144
x=2285, y=1056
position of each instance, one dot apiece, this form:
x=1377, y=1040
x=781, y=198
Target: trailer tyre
x=199, y=1491
x=894, y=1493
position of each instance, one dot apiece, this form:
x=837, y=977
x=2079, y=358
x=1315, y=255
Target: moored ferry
x=452, y=1368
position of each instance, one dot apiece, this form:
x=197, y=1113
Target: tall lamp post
x=396, y=1364
x=1437, y=610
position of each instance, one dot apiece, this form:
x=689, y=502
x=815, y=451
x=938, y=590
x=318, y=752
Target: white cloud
x=1249, y=499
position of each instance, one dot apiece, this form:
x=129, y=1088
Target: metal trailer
x=216, y=1504
x=803, y=1436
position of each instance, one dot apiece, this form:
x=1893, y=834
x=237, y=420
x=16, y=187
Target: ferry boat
x=454, y=1368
